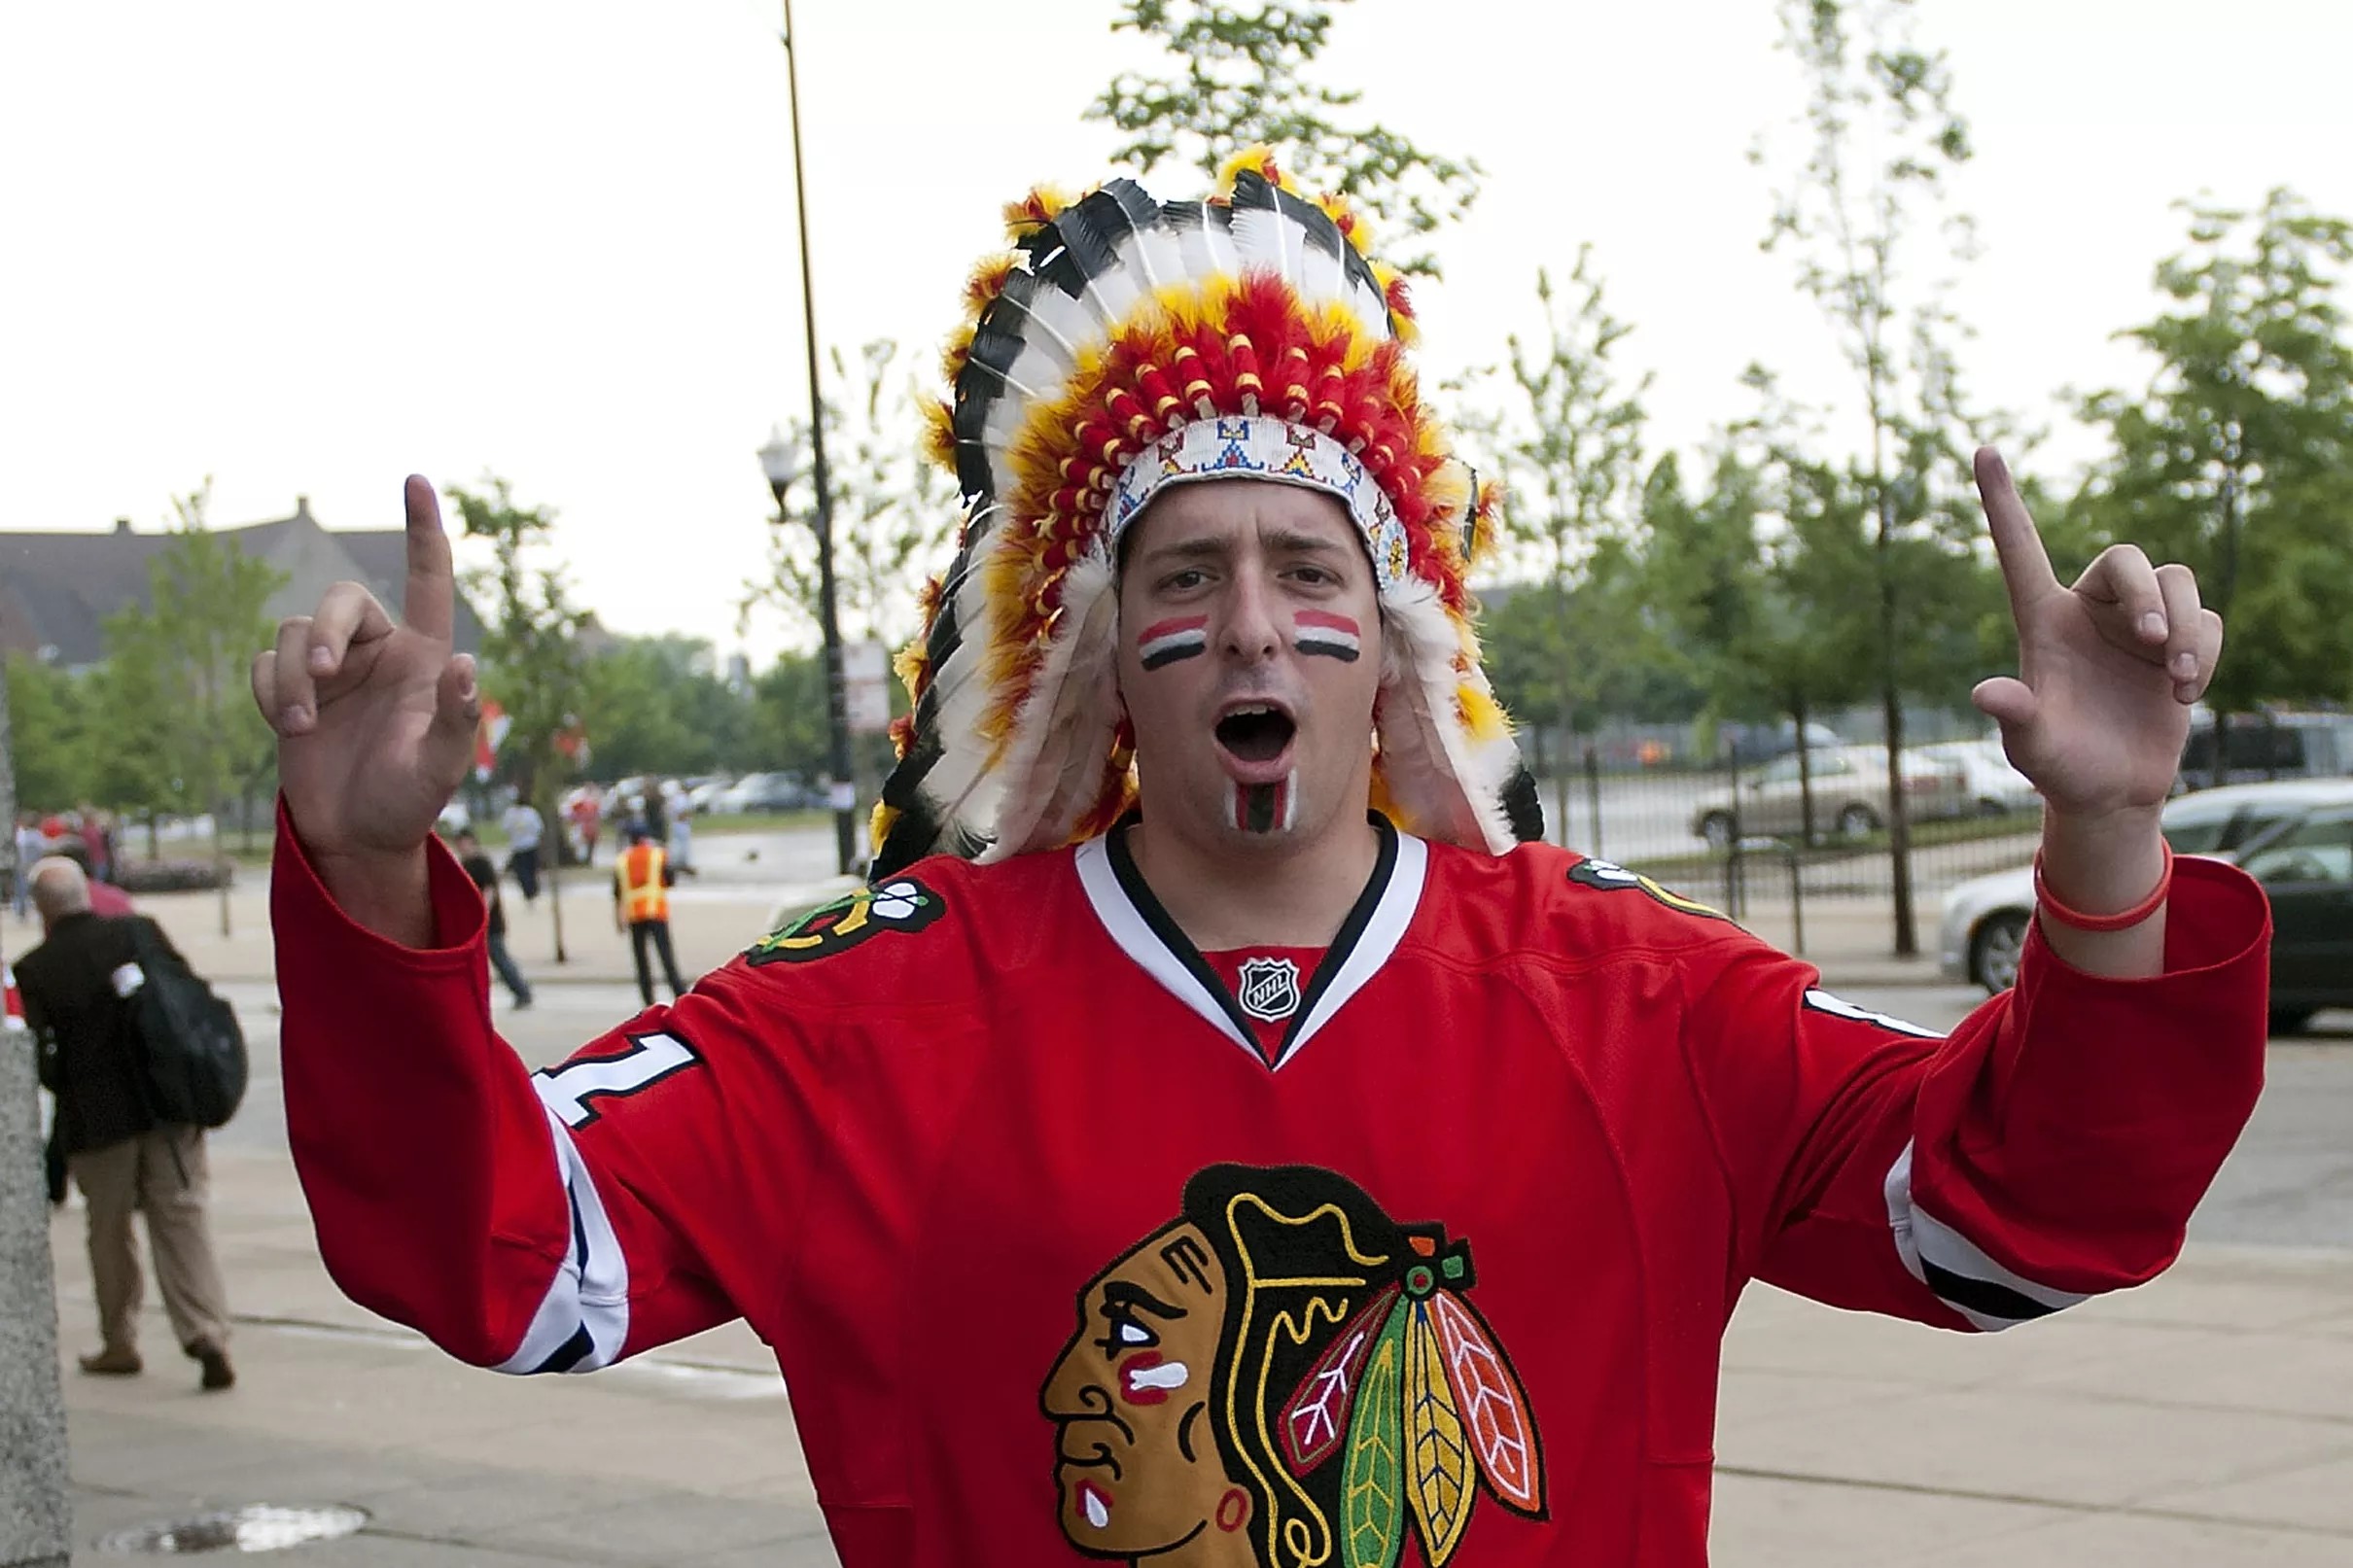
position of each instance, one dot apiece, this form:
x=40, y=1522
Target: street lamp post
x=776, y=462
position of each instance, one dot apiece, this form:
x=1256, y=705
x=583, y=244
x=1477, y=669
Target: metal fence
x=1734, y=836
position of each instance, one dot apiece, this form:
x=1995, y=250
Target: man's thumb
x=457, y=703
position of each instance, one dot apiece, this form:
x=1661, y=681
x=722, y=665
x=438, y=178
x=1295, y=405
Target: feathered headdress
x=1124, y=344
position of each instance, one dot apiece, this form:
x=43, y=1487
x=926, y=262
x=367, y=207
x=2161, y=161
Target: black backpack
x=194, y=1051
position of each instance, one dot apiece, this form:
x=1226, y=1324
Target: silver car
x=1984, y=924
x=1849, y=795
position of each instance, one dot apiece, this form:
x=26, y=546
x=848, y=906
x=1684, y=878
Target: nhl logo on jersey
x=902, y=904
x=1268, y=988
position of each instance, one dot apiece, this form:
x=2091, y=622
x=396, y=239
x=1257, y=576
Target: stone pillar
x=36, y=1521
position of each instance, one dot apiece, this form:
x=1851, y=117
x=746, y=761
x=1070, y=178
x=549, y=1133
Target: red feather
x=1315, y=1419
x=1494, y=1405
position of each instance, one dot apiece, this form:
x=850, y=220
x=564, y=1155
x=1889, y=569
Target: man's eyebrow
x=1204, y=548
x=1126, y=1294
x=1295, y=543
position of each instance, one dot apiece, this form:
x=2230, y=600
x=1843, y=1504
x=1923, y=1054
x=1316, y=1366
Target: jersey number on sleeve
x=650, y=1057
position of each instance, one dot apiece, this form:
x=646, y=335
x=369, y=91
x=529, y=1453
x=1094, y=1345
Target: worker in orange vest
x=641, y=903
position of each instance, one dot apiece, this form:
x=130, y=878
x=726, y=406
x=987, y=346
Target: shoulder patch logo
x=902, y=904
x=1608, y=875
x=1269, y=989
x=1290, y=1375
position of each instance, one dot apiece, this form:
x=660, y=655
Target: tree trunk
x=1805, y=827
x=219, y=858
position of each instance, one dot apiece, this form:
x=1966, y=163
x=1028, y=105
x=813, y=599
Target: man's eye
x=1179, y=581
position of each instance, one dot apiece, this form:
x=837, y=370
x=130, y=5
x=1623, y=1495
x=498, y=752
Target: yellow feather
x=1258, y=157
x=1439, y=1474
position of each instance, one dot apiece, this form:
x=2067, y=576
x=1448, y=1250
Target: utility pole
x=844, y=787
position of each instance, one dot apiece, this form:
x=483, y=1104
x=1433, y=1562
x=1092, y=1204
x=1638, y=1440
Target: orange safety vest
x=639, y=876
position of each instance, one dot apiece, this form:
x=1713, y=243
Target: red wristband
x=2076, y=918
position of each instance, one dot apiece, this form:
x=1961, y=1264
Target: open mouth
x=1255, y=732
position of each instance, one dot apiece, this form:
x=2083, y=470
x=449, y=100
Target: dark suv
x=2261, y=747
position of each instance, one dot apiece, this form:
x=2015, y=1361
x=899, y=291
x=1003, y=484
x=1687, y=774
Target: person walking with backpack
x=81, y=991
x=641, y=905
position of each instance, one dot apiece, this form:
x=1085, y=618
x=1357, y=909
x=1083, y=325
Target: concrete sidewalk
x=2205, y=1420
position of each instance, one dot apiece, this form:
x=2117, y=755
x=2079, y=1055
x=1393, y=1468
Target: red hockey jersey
x=1058, y=1267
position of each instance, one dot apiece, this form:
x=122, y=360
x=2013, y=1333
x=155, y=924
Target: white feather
x=1225, y=258
x=1323, y=278
x=1158, y=257
x=1063, y=729
x=1264, y=241
x=1425, y=753
x=1040, y=336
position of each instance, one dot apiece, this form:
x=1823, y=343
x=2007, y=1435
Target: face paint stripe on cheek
x=1164, y=643
x=1334, y=637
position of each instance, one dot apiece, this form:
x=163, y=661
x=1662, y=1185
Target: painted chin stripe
x=1264, y=808
x=1166, y=642
x=1335, y=637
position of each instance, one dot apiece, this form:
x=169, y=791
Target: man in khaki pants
x=76, y=986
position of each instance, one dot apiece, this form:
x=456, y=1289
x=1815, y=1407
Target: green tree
x=2237, y=456
x=1576, y=628
x=1241, y=75
x=893, y=509
x=533, y=664
x=49, y=740
x=1865, y=213
x=178, y=663
x=788, y=733
x=656, y=704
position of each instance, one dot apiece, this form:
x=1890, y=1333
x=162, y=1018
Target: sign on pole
x=866, y=686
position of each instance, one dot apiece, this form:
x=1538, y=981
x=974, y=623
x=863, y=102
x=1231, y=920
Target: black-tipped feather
x=1524, y=806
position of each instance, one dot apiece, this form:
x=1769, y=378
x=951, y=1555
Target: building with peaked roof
x=57, y=589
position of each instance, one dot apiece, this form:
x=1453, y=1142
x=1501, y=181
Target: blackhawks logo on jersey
x=1608, y=874
x=1285, y=1376
x=902, y=904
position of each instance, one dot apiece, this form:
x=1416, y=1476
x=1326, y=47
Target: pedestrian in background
x=97, y=843
x=524, y=829
x=641, y=906
x=486, y=877
x=31, y=848
x=682, y=839
x=588, y=817
x=78, y=988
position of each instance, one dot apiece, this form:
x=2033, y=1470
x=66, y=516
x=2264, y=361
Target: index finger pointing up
x=428, y=604
x=2025, y=565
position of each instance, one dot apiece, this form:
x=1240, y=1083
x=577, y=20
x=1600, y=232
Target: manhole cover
x=257, y=1528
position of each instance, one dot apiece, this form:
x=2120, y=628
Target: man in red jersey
x=1329, y=1176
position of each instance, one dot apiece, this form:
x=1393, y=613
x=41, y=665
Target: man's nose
x=1251, y=631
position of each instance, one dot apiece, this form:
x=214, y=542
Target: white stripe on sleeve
x=583, y=1319
x=1956, y=1269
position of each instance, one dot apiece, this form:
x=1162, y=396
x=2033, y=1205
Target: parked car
x=1849, y=795
x=2268, y=746
x=1755, y=744
x=1995, y=788
x=769, y=792
x=2295, y=837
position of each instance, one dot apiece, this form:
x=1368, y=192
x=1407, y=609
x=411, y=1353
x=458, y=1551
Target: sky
x=307, y=249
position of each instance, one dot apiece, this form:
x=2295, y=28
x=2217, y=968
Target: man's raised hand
x=2099, y=709
x=376, y=721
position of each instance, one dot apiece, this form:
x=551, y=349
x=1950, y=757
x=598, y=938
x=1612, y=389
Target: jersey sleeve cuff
x=311, y=927
x=2184, y=1046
